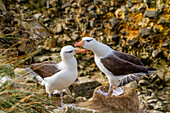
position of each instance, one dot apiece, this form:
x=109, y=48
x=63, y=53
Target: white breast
x=60, y=80
x=101, y=67
x=113, y=80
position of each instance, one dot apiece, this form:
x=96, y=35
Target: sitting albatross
x=57, y=76
x=120, y=68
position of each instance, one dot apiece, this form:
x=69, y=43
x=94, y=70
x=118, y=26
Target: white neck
x=69, y=62
x=101, y=49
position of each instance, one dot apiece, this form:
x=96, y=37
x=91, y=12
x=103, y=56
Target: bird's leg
x=49, y=95
x=62, y=104
x=103, y=93
x=118, y=91
x=61, y=96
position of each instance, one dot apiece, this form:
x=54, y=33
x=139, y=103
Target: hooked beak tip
x=80, y=50
x=81, y=43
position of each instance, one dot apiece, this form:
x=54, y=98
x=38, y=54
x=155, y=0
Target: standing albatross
x=120, y=68
x=57, y=76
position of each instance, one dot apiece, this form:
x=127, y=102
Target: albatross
x=57, y=76
x=120, y=68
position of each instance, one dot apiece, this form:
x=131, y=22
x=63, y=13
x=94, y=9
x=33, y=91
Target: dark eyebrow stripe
x=89, y=40
x=69, y=51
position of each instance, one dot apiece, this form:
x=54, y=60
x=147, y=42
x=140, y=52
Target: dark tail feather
x=129, y=78
x=151, y=70
x=27, y=69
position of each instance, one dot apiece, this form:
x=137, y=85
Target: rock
x=144, y=82
x=2, y=7
x=120, y=1
x=81, y=99
x=69, y=20
x=159, y=106
x=114, y=22
x=154, y=77
x=126, y=103
x=151, y=13
x=142, y=7
x=133, y=9
x=92, y=23
x=41, y=59
x=112, y=9
x=90, y=8
x=46, y=20
x=55, y=57
x=66, y=5
x=19, y=71
x=6, y=69
x=81, y=3
x=123, y=32
x=83, y=20
x=157, y=29
x=156, y=111
x=55, y=49
x=144, y=32
x=58, y=28
x=4, y=80
x=162, y=20
x=167, y=78
x=97, y=2
x=115, y=38
x=57, y=111
x=165, y=44
x=129, y=5
x=126, y=19
x=168, y=32
x=30, y=79
x=156, y=52
x=68, y=99
x=151, y=105
x=75, y=35
x=160, y=73
x=2, y=111
x=84, y=87
x=147, y=1
x=133, y=42
x=27, y=47
x=66, y=37
x=144, y=22
x=132, y=85
x=37, y=16
x=74, y=109
x=121, y=12
x=152, y=100
x=94, y=15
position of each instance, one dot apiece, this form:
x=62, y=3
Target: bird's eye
x=69, y=51
x=89, y=40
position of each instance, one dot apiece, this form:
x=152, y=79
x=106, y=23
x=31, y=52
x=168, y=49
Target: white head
x=69, y=51
x=87, y=42
x=99, y=49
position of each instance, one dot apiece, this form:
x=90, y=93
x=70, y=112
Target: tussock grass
x=14, y=96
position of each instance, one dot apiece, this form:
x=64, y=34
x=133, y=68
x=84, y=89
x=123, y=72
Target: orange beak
x=77, y=50
x=81, y=43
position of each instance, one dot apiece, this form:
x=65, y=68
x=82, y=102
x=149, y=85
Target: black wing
x=128, y=57
x=45, y=69
x=120, y=66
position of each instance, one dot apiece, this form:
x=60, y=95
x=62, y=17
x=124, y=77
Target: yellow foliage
x=109, y=15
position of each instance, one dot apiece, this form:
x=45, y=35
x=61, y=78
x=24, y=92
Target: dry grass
x=18, y=96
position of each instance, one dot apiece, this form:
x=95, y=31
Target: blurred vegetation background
x=34, y=31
